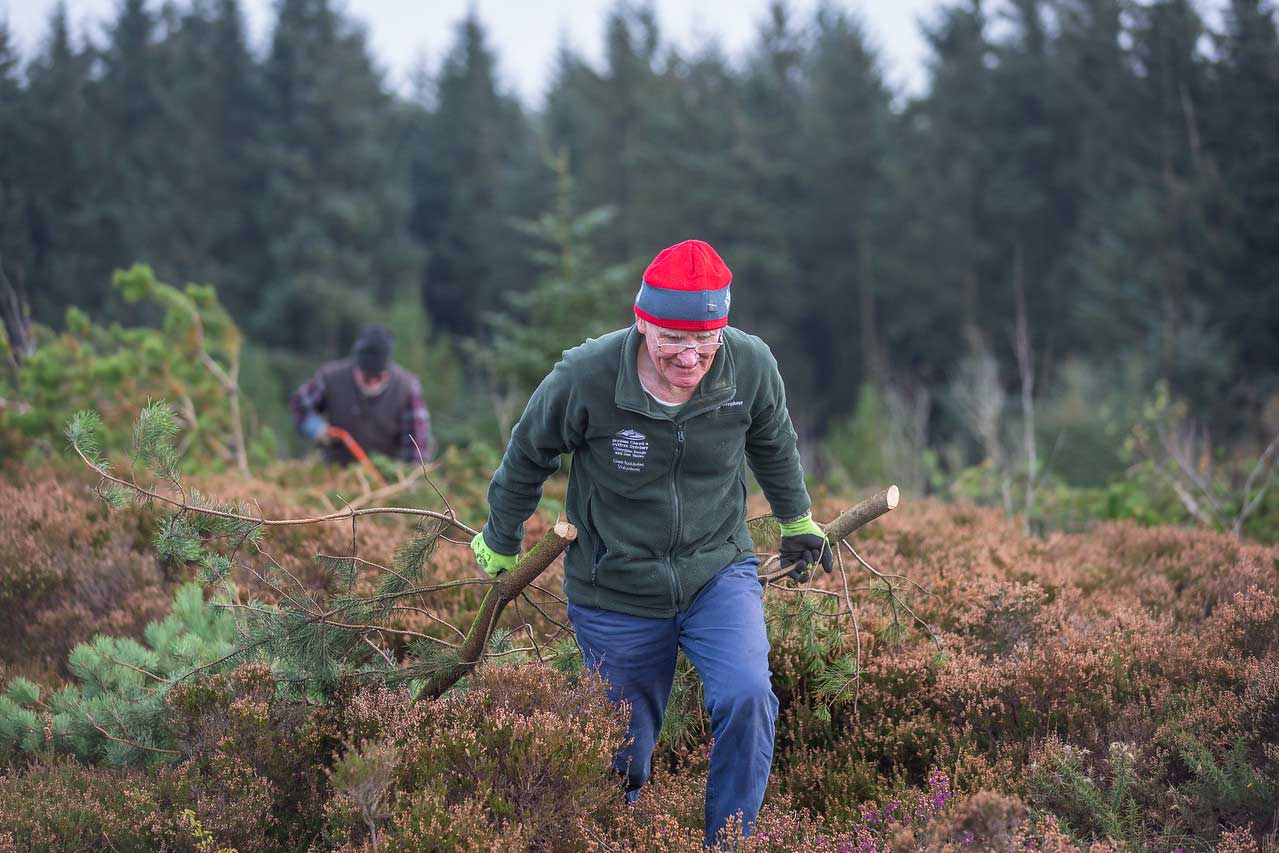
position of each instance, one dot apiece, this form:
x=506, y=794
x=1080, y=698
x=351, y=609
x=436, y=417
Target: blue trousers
x=722, y=633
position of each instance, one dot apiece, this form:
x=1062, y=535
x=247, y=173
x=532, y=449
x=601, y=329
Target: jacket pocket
x=601, y=549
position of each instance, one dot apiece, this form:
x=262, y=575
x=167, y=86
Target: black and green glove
x=804, y=545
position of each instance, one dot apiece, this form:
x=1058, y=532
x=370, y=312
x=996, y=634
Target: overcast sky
x=526, y=33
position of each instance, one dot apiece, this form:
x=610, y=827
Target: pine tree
x=62, y=178
x=1107, y=278
x=335, y=206
x=468, y=154
x=1241, y=115
x=211, y=233
x=772, y=88
x=16, y=146
x=688, y=147
x=573, y=298
x=606, y=111
x=1031, y=206
x=948, y=226
x=115, y=710
x=131, y=202
x=1183, y=240
x=847, y=142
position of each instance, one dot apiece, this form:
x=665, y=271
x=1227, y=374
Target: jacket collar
x=718, y=385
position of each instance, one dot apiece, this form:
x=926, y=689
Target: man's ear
x=641, y=325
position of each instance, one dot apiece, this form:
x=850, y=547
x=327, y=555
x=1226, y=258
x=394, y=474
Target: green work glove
x=804, y=545
x=490, y=561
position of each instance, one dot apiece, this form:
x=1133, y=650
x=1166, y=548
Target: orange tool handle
x=353, y=447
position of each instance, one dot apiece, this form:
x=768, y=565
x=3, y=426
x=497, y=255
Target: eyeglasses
x=703, y=348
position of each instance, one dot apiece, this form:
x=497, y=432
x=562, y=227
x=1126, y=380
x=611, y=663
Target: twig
x=428, y=614
x=355, y=549
x=545, y=615
x=800, y=590
x=857, y=633
x=147, y=673
x=546, y=591
x=512, y=651
x=893, y=599
x=272, y=522
x=373, y=646
x=106, y=734
x=404, y=593
x=532, y=637
x=404, y=484
x=287, y=596
x=884, y=576
x=405, y=631
x=422, y=462
x=280, y=567
x=1264, y=462
x=363, y=562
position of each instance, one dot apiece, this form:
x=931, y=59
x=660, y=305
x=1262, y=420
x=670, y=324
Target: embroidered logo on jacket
x=630, y=449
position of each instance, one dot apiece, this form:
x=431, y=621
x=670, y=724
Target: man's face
x=371, y=382
x=672, y=352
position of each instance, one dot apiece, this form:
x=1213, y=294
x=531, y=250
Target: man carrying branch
x=662, y=418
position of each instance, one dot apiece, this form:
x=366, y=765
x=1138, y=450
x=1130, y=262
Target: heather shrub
x=1241, y=840
x=247, y=773
x=59, y=805
x=69, y=570
x=426, y=821
x=228, y=799
x=521, y=753
x=985, y=820
x=253, y=759
x=668, y=818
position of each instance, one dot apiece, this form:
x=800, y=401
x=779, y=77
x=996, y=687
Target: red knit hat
x=686, y=287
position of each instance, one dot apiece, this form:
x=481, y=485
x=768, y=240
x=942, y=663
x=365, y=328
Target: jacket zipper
x=675, y=528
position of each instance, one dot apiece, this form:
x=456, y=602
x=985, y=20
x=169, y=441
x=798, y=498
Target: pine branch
x=848, y=523
x=507, y=587
x=126, y=742
x=183, y=505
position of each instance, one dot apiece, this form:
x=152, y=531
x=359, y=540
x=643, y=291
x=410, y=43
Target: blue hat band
x=691, y=306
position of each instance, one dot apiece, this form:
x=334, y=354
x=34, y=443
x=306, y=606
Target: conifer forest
x=1027, y=318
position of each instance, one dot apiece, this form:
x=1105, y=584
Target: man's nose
x=687, y=358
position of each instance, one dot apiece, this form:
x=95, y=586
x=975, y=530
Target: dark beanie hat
x=685, y=287
x=372, y=350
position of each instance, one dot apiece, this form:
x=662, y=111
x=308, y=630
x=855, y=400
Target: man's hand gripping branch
x=804, y=545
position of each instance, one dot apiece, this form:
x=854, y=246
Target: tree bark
x=508, y=587
x=849, y=522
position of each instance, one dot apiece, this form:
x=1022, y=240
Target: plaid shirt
x=415, y=420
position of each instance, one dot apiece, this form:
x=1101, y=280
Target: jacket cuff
x=800, y=526
x=500, y=546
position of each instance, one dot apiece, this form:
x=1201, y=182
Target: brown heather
x=68, y=570
x=1111, y=690
x=522, y=752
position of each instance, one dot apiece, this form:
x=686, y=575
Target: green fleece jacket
x=659, y=502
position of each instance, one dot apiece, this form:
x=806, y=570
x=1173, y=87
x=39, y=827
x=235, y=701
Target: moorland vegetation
x=956, y=684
